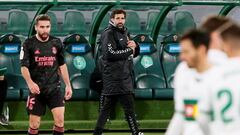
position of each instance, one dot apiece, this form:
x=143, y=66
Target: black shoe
x=3, y=121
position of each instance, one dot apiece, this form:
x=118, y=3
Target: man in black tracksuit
x=118, y=52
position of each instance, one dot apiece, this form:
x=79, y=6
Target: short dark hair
x=231, y=31
x=197, y=37
x=212, y=23
x=42, y=17
x=117, y=11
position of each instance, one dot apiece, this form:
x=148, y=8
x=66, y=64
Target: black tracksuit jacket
x=117, y=61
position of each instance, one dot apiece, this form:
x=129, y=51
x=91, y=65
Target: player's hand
x=33, y=87
x=68, y=92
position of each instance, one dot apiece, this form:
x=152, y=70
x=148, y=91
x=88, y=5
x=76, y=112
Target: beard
x=120, y=25
x=44, y=36
x=194, y=62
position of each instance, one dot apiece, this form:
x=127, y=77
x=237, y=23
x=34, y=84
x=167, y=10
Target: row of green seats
x=74, y=22
x=170, y=25
x=18, y=23
x=155, y=70
x=182, y=21
x=154, y=67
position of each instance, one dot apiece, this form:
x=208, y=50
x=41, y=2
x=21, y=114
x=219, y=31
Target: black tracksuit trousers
x=127, y=102
x=3, y=93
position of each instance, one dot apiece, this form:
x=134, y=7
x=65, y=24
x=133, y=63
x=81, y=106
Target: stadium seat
x=184, y=22
x=18, y=23
x=104, y=22
x=59, y=8
x=170, y=60
x=80, y=63
x=74, y=22
x=54, y=23
x=133, y=22
x=147, y=68
x=10, y=48
x=165, y=27
x=2, y=30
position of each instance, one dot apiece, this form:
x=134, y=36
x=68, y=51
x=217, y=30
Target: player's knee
x=34, y=121
x=59, y=122
x=35, y=124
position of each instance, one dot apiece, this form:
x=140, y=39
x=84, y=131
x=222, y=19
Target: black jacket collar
x=122, y=30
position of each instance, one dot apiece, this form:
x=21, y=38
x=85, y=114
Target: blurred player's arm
x=204, y=119
x=176, y=125
x=204, y=116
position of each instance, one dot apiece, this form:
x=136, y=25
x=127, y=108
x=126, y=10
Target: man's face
x=118, y=20
x=188, y=53
x=43, y=29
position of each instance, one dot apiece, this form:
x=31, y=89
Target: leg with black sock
x=127, y=102
x=109, y=102
x=3, y=94
x=32, y=131
x=58, y=116
x=58, y=130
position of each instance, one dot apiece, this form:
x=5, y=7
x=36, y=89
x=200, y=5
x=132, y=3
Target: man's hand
x=132, y=45
x=68, y=92
x=33, y=87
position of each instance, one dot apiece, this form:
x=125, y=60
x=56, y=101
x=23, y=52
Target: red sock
x=32, y=131
x=58, y=130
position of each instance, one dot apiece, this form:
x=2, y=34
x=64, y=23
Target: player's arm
x=176, y=125
x=204, y=120
x=65, y=77
x=64, y=71
x=24, y=61
x=33, y=87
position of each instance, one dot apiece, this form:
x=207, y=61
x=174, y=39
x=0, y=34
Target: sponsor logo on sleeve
x=191, y=109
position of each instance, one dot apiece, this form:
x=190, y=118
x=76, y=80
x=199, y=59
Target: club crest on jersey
x=54, y=50
x=37, y=51
x=191, y=109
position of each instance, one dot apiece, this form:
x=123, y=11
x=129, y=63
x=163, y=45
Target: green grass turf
x=88, y=110
x=88, y=125
x=104, y=134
